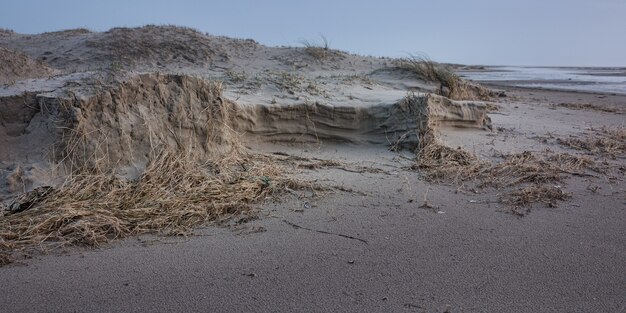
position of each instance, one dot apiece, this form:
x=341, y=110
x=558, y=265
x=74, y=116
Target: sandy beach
x=521, y=210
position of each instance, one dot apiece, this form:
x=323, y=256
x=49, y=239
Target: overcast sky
x=498, y=32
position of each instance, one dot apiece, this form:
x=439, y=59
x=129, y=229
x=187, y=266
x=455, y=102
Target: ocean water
x=603, y=80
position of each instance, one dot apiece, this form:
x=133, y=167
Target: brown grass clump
x=195, y=169
x=537, y=193
x=320, y=51
x=570, y=162
x=522, y=168
x=152, y=44
x=15, y=65
x=588, y=106
x=523, y=178
x=174, y=194
x=442, y=163
x=439, y=162
x=450, y=84
x=608, y=141
x=293, y=83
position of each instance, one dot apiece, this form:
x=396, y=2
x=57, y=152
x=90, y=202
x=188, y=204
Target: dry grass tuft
x=442, y=163
x=523, y=178
x=320, y=51
x=605, y=140
x=152, y=45
x=589, y=107
x=450, y=84
x=537, y=193
x=15, y=65
x=522, y=168
x=6, y=31
x=293, y=83
x=174, y=194
x=570, y=162
x=236, y=77
x=195, y=173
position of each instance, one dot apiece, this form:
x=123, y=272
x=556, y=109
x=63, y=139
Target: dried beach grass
x=174, y=194
x=519, y=200
x=442, y=163
x=522, y=168
x=195, y=173
x=320, y=51
x=589, y=107
x=605, y=140
x=522, y=178
x=450, y=84
x=570, y=162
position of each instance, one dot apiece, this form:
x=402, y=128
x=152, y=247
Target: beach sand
x=381, y=237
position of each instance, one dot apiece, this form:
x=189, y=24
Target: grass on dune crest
x=450, y=84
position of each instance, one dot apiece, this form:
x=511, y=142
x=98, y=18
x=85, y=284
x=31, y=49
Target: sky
x=488, y=32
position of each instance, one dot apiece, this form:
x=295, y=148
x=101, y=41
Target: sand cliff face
x=110, y=100
x=377, y=124
x=124, y=125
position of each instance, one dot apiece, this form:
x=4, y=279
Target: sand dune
x=350, y=182
x=15, y=66
x=120, y=112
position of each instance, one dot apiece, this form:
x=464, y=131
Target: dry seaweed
x=519, y=200
x=607, y=141
x=522, y=178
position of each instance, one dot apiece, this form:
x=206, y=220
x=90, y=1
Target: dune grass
x=320, y=51
x=521, y=179
x=180, y=185
x=450, y=84
x=609, y=141
x=173, y=194
x=549, y=195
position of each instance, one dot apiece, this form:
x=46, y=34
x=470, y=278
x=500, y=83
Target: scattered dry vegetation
x=293, y=83
x=570, y=162
x=152, y=45
x=70, y=32
x=522, y=178
x=450, y=84
x=15, y=65
x=351, y=79
x=190, y=178
x=536, y=193
x=6, y=31
x=236, y=77
x=589, y=106
x=605, y=140
x=173, y=194
x=321, y=51
x=439, y=162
